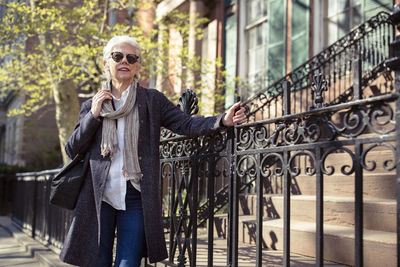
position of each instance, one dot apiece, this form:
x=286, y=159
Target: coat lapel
x=141, y=101
x=143, y=123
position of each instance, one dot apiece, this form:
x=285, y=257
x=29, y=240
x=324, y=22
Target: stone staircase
x=380, y=239
x=247, y=256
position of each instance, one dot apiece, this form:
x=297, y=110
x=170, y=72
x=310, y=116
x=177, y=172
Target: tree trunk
x=67, y=109
x=65, y=99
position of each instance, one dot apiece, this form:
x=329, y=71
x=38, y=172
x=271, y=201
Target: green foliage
x=44, y=42
x=47, y=42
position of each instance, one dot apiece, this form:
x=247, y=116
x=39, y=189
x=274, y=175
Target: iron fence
x=271, y=156
x=32, y=211
x=6, y=186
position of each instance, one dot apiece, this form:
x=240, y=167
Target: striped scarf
x=109, y=139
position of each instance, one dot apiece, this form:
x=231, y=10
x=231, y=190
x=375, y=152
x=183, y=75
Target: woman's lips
x=123, y=69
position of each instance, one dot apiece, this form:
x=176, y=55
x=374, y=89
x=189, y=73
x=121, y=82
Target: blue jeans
x=130, y=232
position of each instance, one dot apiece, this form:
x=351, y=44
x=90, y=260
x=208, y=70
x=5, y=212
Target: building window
x=257, y=10
x=257, y=43
x=299, y=33
x=230, y=43
x=341, y=17
x=262, y=53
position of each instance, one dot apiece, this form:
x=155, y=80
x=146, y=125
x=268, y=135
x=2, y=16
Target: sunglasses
x=131, y=58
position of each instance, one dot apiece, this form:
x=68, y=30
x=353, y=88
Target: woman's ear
x=105, y=65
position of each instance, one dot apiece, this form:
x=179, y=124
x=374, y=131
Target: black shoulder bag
x=66, y=184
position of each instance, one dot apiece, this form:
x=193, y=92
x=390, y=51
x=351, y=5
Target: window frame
x=252, y=78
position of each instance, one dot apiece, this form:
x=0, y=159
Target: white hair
x=120, y=39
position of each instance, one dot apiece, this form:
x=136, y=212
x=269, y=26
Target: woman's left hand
x=231, y=117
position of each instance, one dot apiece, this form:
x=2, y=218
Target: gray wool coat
x=81, y=245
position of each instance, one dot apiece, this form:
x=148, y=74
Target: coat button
x=140, y=158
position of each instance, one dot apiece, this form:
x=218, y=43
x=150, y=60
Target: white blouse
x=115, y=188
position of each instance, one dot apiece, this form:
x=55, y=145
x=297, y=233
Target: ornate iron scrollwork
x=318, y=86
x=370, y=165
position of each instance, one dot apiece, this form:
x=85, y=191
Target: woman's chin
x=124, y=78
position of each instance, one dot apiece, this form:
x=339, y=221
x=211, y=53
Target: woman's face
x=122, y=71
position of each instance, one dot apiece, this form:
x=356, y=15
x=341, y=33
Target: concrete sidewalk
x=18, y=249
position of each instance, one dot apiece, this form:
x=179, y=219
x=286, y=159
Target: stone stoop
x=379, y=214
x=246, y=256
x=375, y=185
x=380, y=226
x=379, y=246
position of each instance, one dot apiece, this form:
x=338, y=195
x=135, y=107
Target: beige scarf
x=109, y=139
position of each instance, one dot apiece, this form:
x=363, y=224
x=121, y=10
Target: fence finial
x=318, y=86
x=188, y=102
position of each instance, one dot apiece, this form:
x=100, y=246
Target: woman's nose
x=124, y=60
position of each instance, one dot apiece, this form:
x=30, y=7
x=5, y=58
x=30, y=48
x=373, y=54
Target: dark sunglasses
x=131, y=58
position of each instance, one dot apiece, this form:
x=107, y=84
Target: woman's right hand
x=97, y=101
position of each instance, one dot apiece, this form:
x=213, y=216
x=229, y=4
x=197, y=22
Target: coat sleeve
x=181, y=123
x=85, y=129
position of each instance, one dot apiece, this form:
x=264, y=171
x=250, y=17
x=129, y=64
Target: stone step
x=377, y=185
x=246, y=256
x=379, y=214
x=379, y=246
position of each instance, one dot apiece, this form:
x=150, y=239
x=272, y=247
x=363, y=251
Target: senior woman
x=119, y=130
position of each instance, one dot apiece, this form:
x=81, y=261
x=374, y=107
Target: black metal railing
x=32, y=211
x=316, y=135
x=188, y=163
x=369, y=42
x=252, y=152
x=6, y=186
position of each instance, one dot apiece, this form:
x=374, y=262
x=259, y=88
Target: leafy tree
x=51, y=51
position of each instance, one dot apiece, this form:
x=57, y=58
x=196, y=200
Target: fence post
x=286, y=185
x=394, y=64
x=3, y=194
x=286, y=98
x=234, y=185
x=35, y=192
x=357, y=90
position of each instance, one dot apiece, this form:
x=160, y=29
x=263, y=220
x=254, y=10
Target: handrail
x=300, y=78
